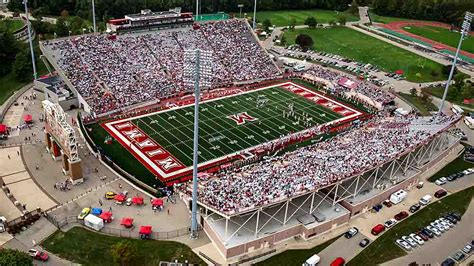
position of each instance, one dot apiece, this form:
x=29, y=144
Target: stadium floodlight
x=197, y=72
x=93, y=16
x=240, y=6
x=254, y=24
x=465, y=28
x=28, y=23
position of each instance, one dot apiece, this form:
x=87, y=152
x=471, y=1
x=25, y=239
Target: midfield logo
x=241, y=118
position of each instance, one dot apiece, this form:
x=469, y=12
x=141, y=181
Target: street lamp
x=93, y=16
x=240, y=6
x=35, y=75
x=254, y=25
x=465, y=28
x=197, y=72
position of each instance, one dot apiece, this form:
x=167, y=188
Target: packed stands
x=113, y=73
x=315, y=166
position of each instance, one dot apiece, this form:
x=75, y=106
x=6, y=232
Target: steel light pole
x=35, y=74
x=197, y=72
x=254, y=24
x=93, y=16
x=240, y=6
x=466, y=27
x=197, y=10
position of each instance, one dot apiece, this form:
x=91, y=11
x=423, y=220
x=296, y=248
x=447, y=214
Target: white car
x=437, y=226
x=390, y=223
x=403, y=244
x=441, y=181
x=434, y=230
x=409, y=241
x=446, y=221
x=417, y=239
x=443, y=224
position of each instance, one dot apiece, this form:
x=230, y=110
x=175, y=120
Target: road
x=342, y=247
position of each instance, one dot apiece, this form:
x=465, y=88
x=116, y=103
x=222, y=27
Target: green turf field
x=443, y=36
x=283, y=17
x=11, y=25
x=384, y=19
x=363, y=48
x=220, y=136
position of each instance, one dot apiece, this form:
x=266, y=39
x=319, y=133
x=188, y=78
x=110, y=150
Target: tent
x=137, y=200
x=120, y=198
x=28, y=118
x=106, y=216
x=127, y=222
x=157, y=202
x=145, y=231
x=399, y=72
x=3, y=129
x=96, y=211
x=347, y=83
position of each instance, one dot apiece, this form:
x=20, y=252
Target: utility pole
x=93, y=16
x=465, y=28
x=35, y=74
x=254, y=24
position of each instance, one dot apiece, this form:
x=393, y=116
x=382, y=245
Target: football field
x=227, y=125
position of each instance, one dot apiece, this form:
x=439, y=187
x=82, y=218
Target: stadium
x=281, y=154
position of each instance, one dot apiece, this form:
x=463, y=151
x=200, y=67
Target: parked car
x=467, y=249
x=441, y=181
x=434, y=230
x=401, y=215
x=459, y=256
x=364, y=242
x=448, y=262
x=339, y=261
x=440, y=193
x=450, y=218
x=387, y=203
x=84, y=213
x=403, y=244
x=446, y=221
x=427, y=232
x=417, y=239
x=390, y=223
x=438, y=226
x=455, y=215
x=414, y=208
x=423, y=236
x=378, y=229
x=425, y=200
x=110, y=195
x=38, y=255
x=352, y=232
x=409, y=241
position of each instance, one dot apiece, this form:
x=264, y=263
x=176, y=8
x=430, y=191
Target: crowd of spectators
x=113, y=73
x=363, y=87
x=315, y=166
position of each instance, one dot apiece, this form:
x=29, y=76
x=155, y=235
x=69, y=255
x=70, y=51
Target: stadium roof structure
x=403, y=158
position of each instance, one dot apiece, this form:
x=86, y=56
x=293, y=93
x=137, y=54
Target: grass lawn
x=452, y=96
x=88, y=248
x=442, y=35
x=455, y=166
x=295, y=256
x=384, y=248
x=384, y=19
x=416, y=101
x=283, y=17
x=12, y=25
x=363, y=48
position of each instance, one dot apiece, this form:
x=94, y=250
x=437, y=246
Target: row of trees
x=450, y=11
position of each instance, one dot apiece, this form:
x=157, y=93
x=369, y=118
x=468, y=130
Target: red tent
x=137, y=200
x=27, y=118
x=120, y=197
x=399, y=72
x=145, y=230
x=106, y=216
x=157, y=202
x=127, y=222
x=3, y=129
x=438, y=47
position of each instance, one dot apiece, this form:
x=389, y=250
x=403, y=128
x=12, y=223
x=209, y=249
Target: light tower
x=240, y=6
x=465, y=28
x=93, y=16
x=197, y=73
x=35, y=74
x=254, y=25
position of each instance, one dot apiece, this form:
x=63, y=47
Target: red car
x=38, y=255
x=378, y=229
x=440, y=193
x=401, y=215
x=338, y=262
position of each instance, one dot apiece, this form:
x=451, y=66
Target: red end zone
x=168, y=169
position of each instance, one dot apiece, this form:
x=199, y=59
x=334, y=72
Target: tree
x=467, y=92
x=22, y=68
x=342, y=19
x=8, y=50
x=14, y=257
x=304, y=41
x=332, y=23
x=311, y=22
x=123, y=252
x=267, y=24
x=354, y=7
x=413, y=92
x=283, y=40
x=446, y=69
x=61, y=28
